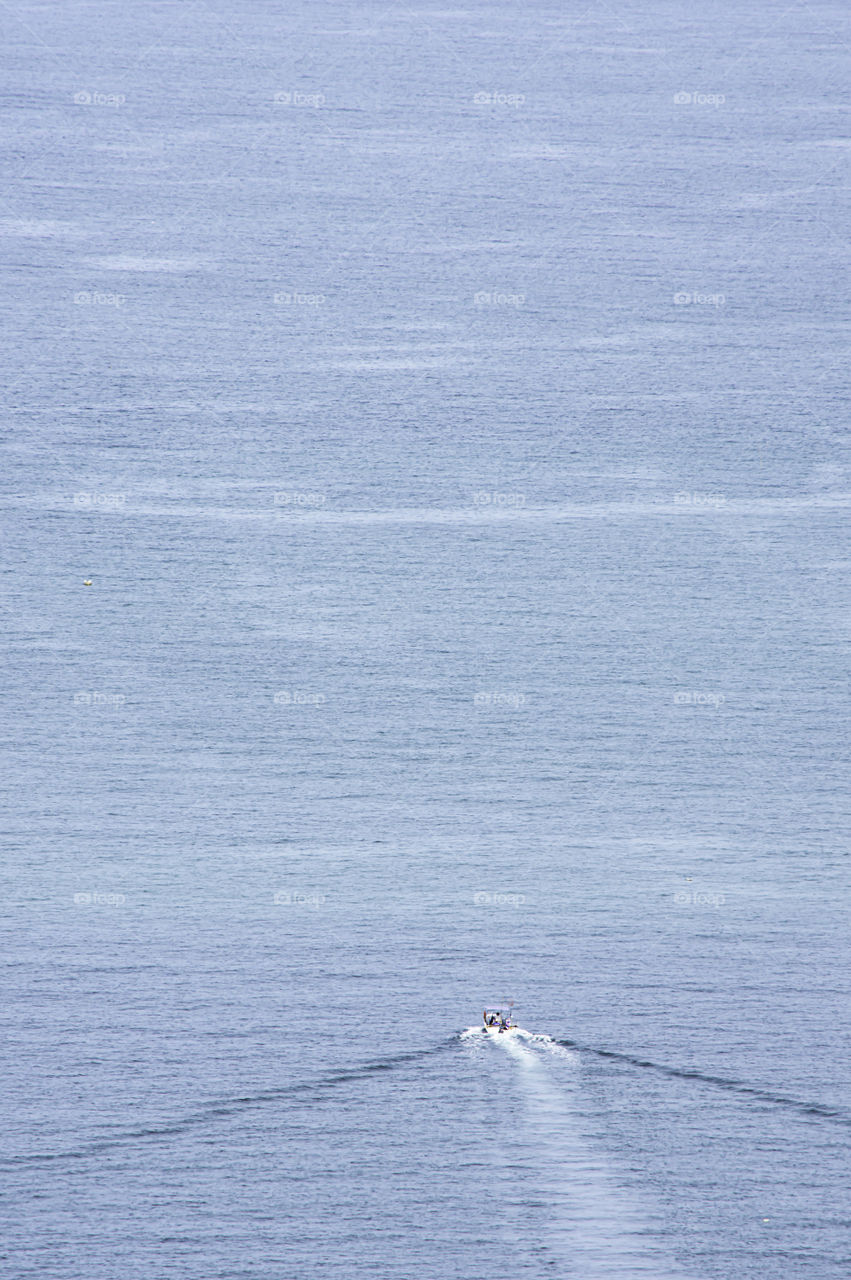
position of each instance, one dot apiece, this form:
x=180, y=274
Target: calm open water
x=446, y=407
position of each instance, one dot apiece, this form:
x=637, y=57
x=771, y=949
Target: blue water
x=446, y=408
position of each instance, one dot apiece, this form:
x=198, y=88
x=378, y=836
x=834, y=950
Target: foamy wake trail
x=473, y=1035
x=596, y=1229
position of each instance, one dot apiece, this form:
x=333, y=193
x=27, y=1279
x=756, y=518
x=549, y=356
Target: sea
x=425, y=504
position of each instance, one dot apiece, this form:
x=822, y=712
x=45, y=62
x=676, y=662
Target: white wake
x=597, y=1229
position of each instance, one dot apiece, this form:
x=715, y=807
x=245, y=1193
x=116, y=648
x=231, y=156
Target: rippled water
x=445, y=407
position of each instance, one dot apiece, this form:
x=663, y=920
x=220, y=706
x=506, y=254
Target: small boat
x=499, y=1019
